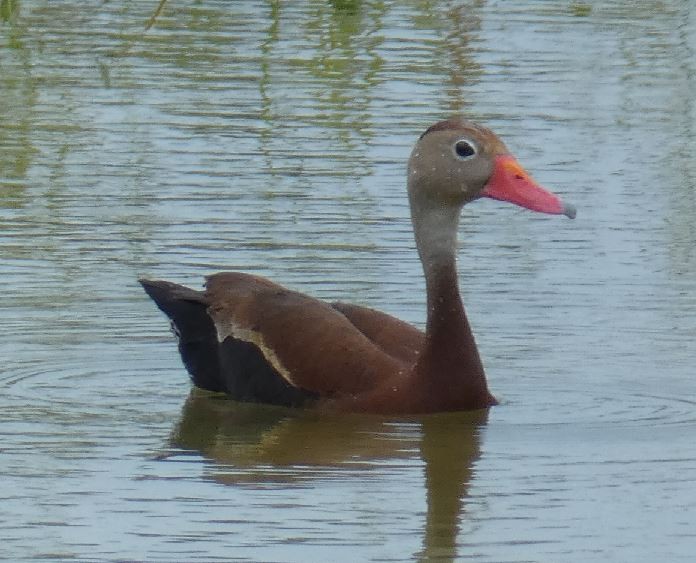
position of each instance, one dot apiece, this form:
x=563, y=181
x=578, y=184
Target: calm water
x=272, y=137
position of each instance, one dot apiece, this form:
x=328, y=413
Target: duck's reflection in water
x=253, y=444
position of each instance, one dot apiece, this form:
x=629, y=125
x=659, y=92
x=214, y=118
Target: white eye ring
x=464, y=149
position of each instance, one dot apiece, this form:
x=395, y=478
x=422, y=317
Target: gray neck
x=450, y=357
x=435, y=230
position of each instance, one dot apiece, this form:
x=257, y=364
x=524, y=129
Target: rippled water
x=272, y=137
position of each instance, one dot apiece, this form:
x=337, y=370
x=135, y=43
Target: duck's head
x=457, y=161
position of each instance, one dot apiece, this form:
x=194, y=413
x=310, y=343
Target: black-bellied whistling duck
x=257, y=341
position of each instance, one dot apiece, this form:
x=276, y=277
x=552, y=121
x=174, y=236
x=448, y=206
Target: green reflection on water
x=9, y=10
x=19, y=95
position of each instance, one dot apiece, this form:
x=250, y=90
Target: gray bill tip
x=569, y=210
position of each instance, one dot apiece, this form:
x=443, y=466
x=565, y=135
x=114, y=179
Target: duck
x=257, y=341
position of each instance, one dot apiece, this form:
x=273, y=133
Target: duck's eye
x=464, y=149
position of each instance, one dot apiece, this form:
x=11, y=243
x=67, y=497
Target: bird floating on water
x=257, y=341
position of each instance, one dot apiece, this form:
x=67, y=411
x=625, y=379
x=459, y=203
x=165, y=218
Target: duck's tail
x=198, y=344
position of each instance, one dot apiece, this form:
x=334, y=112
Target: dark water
x=272, y=137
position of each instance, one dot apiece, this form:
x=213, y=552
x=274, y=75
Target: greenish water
x=272, y=137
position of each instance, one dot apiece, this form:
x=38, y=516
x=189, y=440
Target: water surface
x=272, y=137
